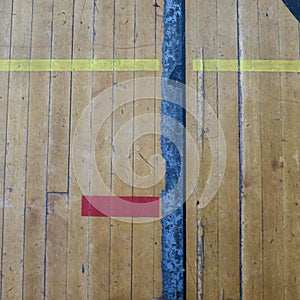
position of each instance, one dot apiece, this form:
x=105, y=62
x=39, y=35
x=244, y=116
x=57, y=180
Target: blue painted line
x=294, y=7
x=173, y=222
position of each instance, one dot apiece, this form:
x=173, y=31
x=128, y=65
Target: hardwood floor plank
x=57, y=248
x=5, y=49
x=81, y=95
x=36, y=184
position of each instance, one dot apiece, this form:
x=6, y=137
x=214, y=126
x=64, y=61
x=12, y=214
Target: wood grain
x=57, y=245
x=36, y=185
x=271, y=153
x=243, y=244
x=251, y=210
x=289, y=104
x=144, y=233
x=58, y=157
x=78, y=227
x=5, y=47
x=227, y=111
x=121, y=232
x=15, y=189
x=99, y=240
x=194, y=263
x=204, y=46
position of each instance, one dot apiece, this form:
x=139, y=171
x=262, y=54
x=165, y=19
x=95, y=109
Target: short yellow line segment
x=218, y=65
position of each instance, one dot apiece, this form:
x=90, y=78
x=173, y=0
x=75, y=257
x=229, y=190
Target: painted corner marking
x=294, y=7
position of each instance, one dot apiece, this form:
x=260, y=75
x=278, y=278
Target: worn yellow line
x=21, y=65
x=209, y=65
x=218, y=65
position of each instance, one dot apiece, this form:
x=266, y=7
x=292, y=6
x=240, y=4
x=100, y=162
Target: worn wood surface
x=242, y=236
x=47, y=249
x=243, y=245
x=212, y=34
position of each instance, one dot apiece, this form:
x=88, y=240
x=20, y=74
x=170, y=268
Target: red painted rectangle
x=123, y=206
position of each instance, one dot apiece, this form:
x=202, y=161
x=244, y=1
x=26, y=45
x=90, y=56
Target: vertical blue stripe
x=173, y=222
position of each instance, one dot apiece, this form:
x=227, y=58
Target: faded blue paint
x=294, y=7
x=173, y=223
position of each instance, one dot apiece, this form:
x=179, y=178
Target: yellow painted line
x=209, y=65
x=61, y=65
x=218, y=65
x=215, y=65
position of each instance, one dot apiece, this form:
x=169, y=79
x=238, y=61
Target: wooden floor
x=245, y=243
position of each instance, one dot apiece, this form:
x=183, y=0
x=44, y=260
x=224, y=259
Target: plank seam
x=27, y=146
x=240, y=128
x=133, y=147
x=48, y=148
x=111, y=142
x=70, y=131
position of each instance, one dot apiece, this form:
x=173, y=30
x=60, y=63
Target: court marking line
x=119, y=65
x=76, y=65
x=230, y=65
